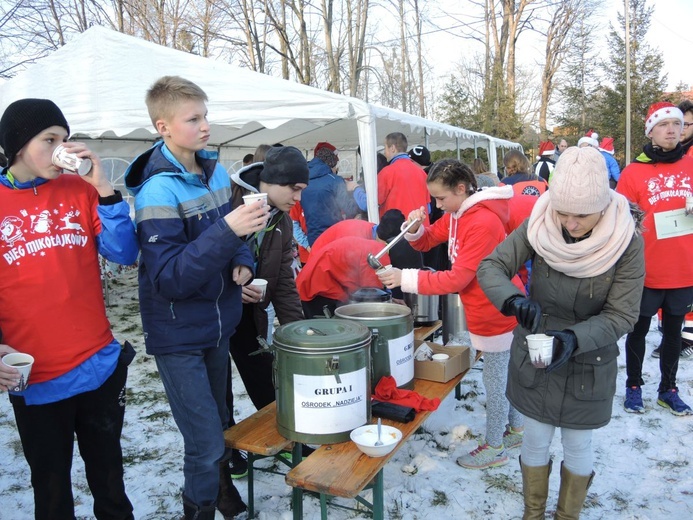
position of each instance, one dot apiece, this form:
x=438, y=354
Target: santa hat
x=607, y=145
x=591, y=138
x=323, y=144
x=546, y=148
x=659, y=112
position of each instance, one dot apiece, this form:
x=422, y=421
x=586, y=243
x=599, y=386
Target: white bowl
x=366, y=436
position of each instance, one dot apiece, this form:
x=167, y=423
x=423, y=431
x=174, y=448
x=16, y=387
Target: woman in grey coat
x=587, y=279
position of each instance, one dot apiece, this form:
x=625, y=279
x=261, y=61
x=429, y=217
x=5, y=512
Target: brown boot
x=535, y=488
x=229, y=501
x=572, y=494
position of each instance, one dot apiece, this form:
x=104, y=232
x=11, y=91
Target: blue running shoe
x=672, y=402
x=633, y=402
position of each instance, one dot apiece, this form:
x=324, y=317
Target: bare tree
x=560, y=34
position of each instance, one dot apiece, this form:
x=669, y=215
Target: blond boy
x=192, y=267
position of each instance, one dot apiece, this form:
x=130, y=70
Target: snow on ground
x=642, y=461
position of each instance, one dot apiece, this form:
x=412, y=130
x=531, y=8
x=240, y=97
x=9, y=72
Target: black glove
x=527, y=312
x=564, y=344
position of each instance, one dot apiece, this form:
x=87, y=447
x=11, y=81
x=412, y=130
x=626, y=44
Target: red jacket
x=658, y=188
x=402, y=186
x=520, y=207
x=346, y=228
x=472, y=234
x=338, y=269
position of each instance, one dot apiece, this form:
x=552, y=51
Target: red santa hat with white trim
x=607, y=145
x=591, y=138
x=659, y=112
x=546, y=148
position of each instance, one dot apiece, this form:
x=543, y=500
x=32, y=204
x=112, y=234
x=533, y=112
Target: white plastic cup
x=440, y=357
x=384, y=269
x=260, y=283
x=69, y=161
x=23, y=363
x=250, y=199
x=540, y=349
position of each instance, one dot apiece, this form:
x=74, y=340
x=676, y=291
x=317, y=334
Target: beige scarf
x=590, y=257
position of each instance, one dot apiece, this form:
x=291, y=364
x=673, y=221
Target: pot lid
x=320, y=334
x=371, y=294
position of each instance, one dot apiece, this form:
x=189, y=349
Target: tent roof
x=99, y=80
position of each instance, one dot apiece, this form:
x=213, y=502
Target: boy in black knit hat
x=54, y=226
x=282, y=176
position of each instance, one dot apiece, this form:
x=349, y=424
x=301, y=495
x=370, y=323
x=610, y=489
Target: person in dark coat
x=325, y=201
x=283, y=176
x=588, y=272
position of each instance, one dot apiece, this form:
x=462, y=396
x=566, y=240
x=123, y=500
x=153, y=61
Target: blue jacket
x=612, y=166
x=188, y=299
x=325, y=201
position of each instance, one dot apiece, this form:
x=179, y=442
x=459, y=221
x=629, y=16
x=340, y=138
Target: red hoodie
x=472, y=234
x=338, y=269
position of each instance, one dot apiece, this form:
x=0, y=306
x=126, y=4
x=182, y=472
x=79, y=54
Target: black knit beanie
x=390, y=224
x=25, y=119
x=284, y=165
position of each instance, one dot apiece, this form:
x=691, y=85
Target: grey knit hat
x=580, y=182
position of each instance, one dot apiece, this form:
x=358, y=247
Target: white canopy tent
x=99, y=80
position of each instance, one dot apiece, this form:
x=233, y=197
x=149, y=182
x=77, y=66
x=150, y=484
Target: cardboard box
x=442, y=371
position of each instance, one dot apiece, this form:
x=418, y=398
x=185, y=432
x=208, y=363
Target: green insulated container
x=392, y=347
x=322, y=374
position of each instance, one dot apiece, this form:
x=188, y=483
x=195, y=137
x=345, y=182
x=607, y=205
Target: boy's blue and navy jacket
x=188, y=299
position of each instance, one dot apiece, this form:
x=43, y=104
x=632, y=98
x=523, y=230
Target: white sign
x=322, y=405
x=402, y=358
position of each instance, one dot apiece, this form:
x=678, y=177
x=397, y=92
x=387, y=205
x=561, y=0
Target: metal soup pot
x=322, y=373
x=392, y=347
x=424, y=308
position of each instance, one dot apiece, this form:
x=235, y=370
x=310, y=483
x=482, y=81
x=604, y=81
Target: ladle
x=374, y=260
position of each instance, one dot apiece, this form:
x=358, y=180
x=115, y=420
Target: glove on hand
x=527, y=312
x=564, y=345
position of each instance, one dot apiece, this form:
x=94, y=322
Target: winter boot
x=229, y=501
x=195, y=512
x=535, y=488
x=572, y=494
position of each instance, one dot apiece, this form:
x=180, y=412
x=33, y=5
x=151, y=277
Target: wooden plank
x=421, y=333
x=258, y=433
x=342, y=470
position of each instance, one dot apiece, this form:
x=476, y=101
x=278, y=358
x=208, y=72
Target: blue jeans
x=195, y=383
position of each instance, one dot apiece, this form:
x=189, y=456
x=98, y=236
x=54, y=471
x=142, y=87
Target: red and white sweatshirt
x=472, y=233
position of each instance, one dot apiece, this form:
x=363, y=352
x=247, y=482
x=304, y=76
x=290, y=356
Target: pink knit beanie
x=580, y=182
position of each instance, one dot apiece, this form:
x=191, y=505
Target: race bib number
x=674, y=223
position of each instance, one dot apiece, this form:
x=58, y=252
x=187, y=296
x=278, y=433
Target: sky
x=670, y=32
x=642, y=462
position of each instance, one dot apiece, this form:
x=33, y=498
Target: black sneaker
x=655, y=352
x=238, y=464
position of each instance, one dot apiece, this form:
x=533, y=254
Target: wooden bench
x=341, y=470
x=258, y=436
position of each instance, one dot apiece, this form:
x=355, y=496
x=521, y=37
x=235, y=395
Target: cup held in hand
x=260, y=283
x=23, y=363
x=384, y=269
x=540, y=349
x=250, y=199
